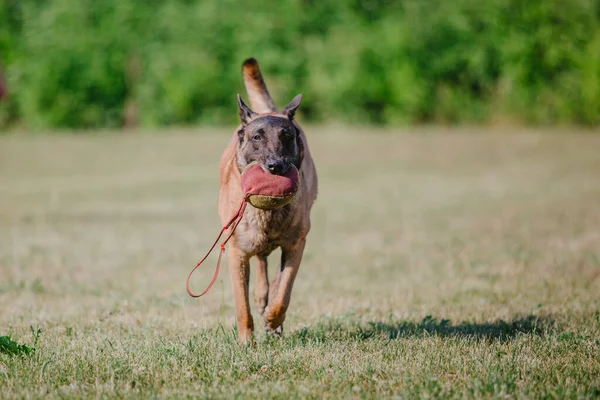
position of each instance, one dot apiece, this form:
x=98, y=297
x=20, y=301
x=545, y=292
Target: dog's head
x=272, y=140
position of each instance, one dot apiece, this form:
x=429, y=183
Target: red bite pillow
x=261, y=189
x=268, y=191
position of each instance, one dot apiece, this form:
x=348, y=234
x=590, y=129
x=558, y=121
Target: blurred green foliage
x=90, y=63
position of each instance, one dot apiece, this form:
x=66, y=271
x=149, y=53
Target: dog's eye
x=258, y=135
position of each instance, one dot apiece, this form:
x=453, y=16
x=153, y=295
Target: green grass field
x=440, y=264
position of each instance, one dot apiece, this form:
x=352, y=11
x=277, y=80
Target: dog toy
x=268, y=191
x=262, y=190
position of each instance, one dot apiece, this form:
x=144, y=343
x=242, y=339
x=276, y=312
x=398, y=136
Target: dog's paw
x=245, y=338
x=277, y=332
x=274, y=315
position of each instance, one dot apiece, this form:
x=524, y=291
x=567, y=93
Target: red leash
x=235, y=219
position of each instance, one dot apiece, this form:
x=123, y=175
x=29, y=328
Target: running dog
x=274, y=140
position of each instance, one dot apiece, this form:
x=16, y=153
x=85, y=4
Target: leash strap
x=235, y=220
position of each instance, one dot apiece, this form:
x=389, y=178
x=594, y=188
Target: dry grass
x=444, y=264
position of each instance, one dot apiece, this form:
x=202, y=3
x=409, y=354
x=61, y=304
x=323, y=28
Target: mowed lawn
x=441, y=263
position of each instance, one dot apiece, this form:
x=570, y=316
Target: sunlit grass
x=440, y=263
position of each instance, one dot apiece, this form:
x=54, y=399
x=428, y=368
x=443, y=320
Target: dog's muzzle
x=277, y=167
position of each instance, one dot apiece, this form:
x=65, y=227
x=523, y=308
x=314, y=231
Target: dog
x=274, y=140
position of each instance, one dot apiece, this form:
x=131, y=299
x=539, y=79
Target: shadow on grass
x=500, y=330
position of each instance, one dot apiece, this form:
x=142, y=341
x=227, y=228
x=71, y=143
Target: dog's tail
x=260, y=100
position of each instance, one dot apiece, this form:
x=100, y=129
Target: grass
x=440, y=264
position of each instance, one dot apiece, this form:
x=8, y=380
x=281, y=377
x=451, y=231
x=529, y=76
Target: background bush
x=89, y=64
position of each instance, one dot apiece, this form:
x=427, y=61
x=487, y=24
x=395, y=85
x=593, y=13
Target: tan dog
x=274, y=140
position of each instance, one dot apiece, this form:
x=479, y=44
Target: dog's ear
x=246, y=113
x=290, y=109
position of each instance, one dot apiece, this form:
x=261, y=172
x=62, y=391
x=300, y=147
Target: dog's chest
x=264, y=231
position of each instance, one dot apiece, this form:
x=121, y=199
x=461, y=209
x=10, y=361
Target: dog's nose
x=277, y=167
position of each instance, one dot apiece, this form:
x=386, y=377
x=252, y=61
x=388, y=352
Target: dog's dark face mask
x=272, y=140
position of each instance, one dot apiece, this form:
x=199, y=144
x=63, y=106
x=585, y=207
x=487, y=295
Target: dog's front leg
x=239, y=270
x=278, y=302
x=261, y=285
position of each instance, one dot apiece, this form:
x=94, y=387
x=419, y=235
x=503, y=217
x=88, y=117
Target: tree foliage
x=88, y=64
